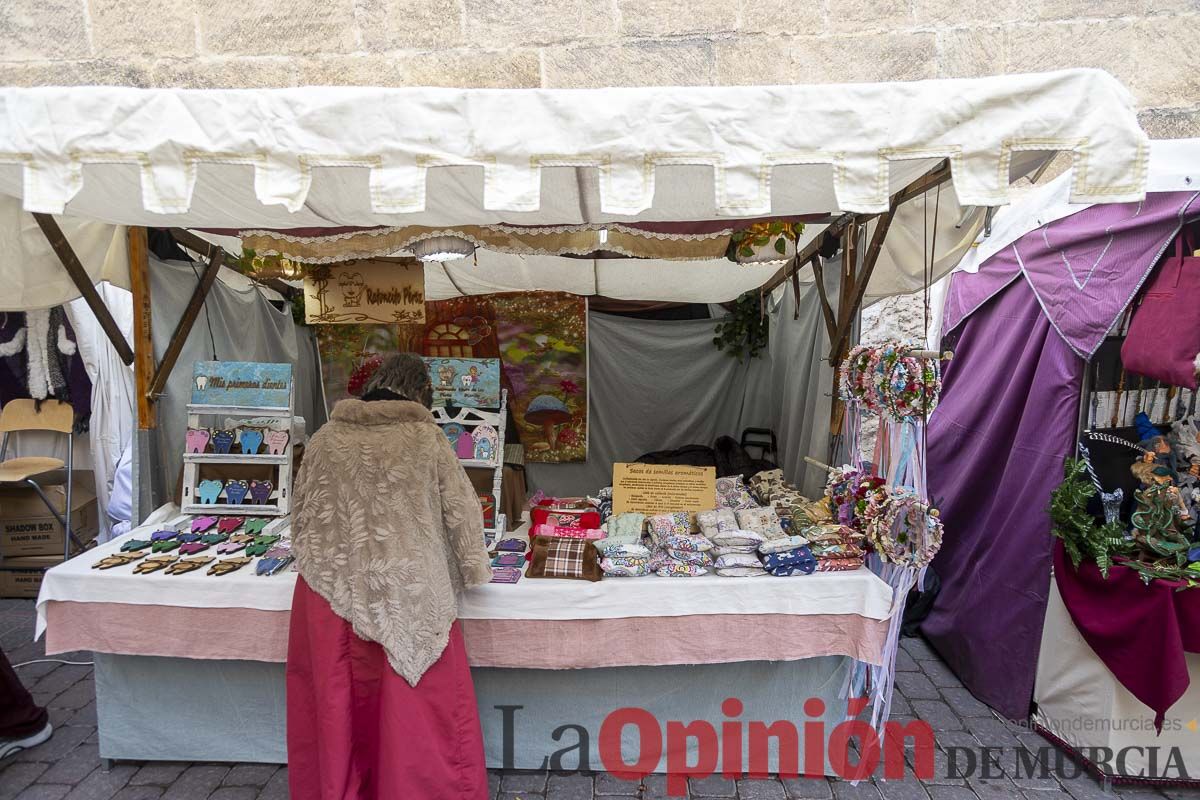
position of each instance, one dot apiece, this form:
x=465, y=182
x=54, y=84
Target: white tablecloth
x=76, y=581
x=859, y=592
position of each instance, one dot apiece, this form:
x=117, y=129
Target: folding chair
x=764, y=440
x=36, y=471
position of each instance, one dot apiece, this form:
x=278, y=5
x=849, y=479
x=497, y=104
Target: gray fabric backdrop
x=244, y=327
x=657, y=385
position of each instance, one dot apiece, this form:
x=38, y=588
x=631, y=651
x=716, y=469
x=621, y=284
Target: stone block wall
x=589, y=43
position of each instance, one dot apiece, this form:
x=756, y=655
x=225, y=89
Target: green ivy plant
x=744, y=332
x=1081, y=535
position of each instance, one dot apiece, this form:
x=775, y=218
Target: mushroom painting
x=549, y=412
x=542, y=338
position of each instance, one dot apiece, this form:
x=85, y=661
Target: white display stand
x=470, y=418
x=281, y=494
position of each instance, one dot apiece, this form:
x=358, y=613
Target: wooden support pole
x=858, y=286
x=191, y=241
x=938, y=175
x=143, y=339
x=83, y=282
x=175, y=346
x=844, y=316
x=823, y=296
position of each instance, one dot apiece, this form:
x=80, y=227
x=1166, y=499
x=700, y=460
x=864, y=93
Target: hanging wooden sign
x=364, y=291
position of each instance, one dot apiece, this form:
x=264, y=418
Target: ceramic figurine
x=201, y=524
x=485, y=439
x=260, y=491
x=208, y=491
x=464, y=447
x=186, y=565
x=197, y=440
x=235, y=543
x=228, y=565
x=261, y=544
x=454, y=432
x=117, y=560
x=222, y=441
x=154, y=563
x=250, y=440
x=229, y=524
x=235, y=492
x=276, y=442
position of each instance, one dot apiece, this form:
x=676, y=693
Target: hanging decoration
x=887, y=499
x=745, y=331
x=857, y=393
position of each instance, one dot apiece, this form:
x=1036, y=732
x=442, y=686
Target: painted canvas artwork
x=543, y=352
x=460, y=327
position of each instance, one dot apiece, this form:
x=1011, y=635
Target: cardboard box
x=27, y=528
x=22, y=577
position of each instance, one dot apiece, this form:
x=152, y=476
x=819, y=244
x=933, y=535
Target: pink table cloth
x=255, y=635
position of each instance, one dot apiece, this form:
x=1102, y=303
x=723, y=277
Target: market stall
x=1038, y=316
x=576, y=191
x=169, y=629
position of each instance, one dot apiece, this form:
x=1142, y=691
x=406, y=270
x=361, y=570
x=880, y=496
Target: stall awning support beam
x=857, y=288
x=143, y=339
x=216, y=258
x=83, y=282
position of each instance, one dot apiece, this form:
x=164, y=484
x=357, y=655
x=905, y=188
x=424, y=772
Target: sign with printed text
x=663, y=488
x=473, y=382
x=365, y=291
x=241, y=383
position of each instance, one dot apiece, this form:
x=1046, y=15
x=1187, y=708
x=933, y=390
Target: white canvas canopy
x=331, y=157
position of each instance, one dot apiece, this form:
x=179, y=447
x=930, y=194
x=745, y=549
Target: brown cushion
x=555, y=557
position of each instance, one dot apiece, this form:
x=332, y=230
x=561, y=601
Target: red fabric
x=357, y=731
x=1164, y=332
x=1140, y=632
x=564, y=518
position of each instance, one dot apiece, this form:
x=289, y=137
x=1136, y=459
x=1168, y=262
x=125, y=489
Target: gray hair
x=405, y=375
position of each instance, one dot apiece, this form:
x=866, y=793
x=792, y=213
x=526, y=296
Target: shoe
x=10, y=746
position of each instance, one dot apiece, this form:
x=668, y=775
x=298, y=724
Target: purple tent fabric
x=1085, y=268
x=1026, y=321
x=996, y=447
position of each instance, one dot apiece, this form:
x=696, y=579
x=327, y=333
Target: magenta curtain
x=997, y=444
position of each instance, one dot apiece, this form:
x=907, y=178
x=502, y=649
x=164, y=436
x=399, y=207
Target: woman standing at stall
x=387, y=531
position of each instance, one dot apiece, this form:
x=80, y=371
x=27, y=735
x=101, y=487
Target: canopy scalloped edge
x=741, y=133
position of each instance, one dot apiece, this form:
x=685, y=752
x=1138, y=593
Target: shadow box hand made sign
x=365, y=290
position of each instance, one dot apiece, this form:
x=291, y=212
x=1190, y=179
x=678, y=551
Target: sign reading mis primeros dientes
x=241, y=383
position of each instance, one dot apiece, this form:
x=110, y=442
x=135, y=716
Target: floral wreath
x=904, y=529
x=854, y=384
x=905, y=386
x=850, y=492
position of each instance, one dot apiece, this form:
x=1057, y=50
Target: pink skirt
x=357, y=731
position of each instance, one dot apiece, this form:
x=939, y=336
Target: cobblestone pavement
x=68, y=766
